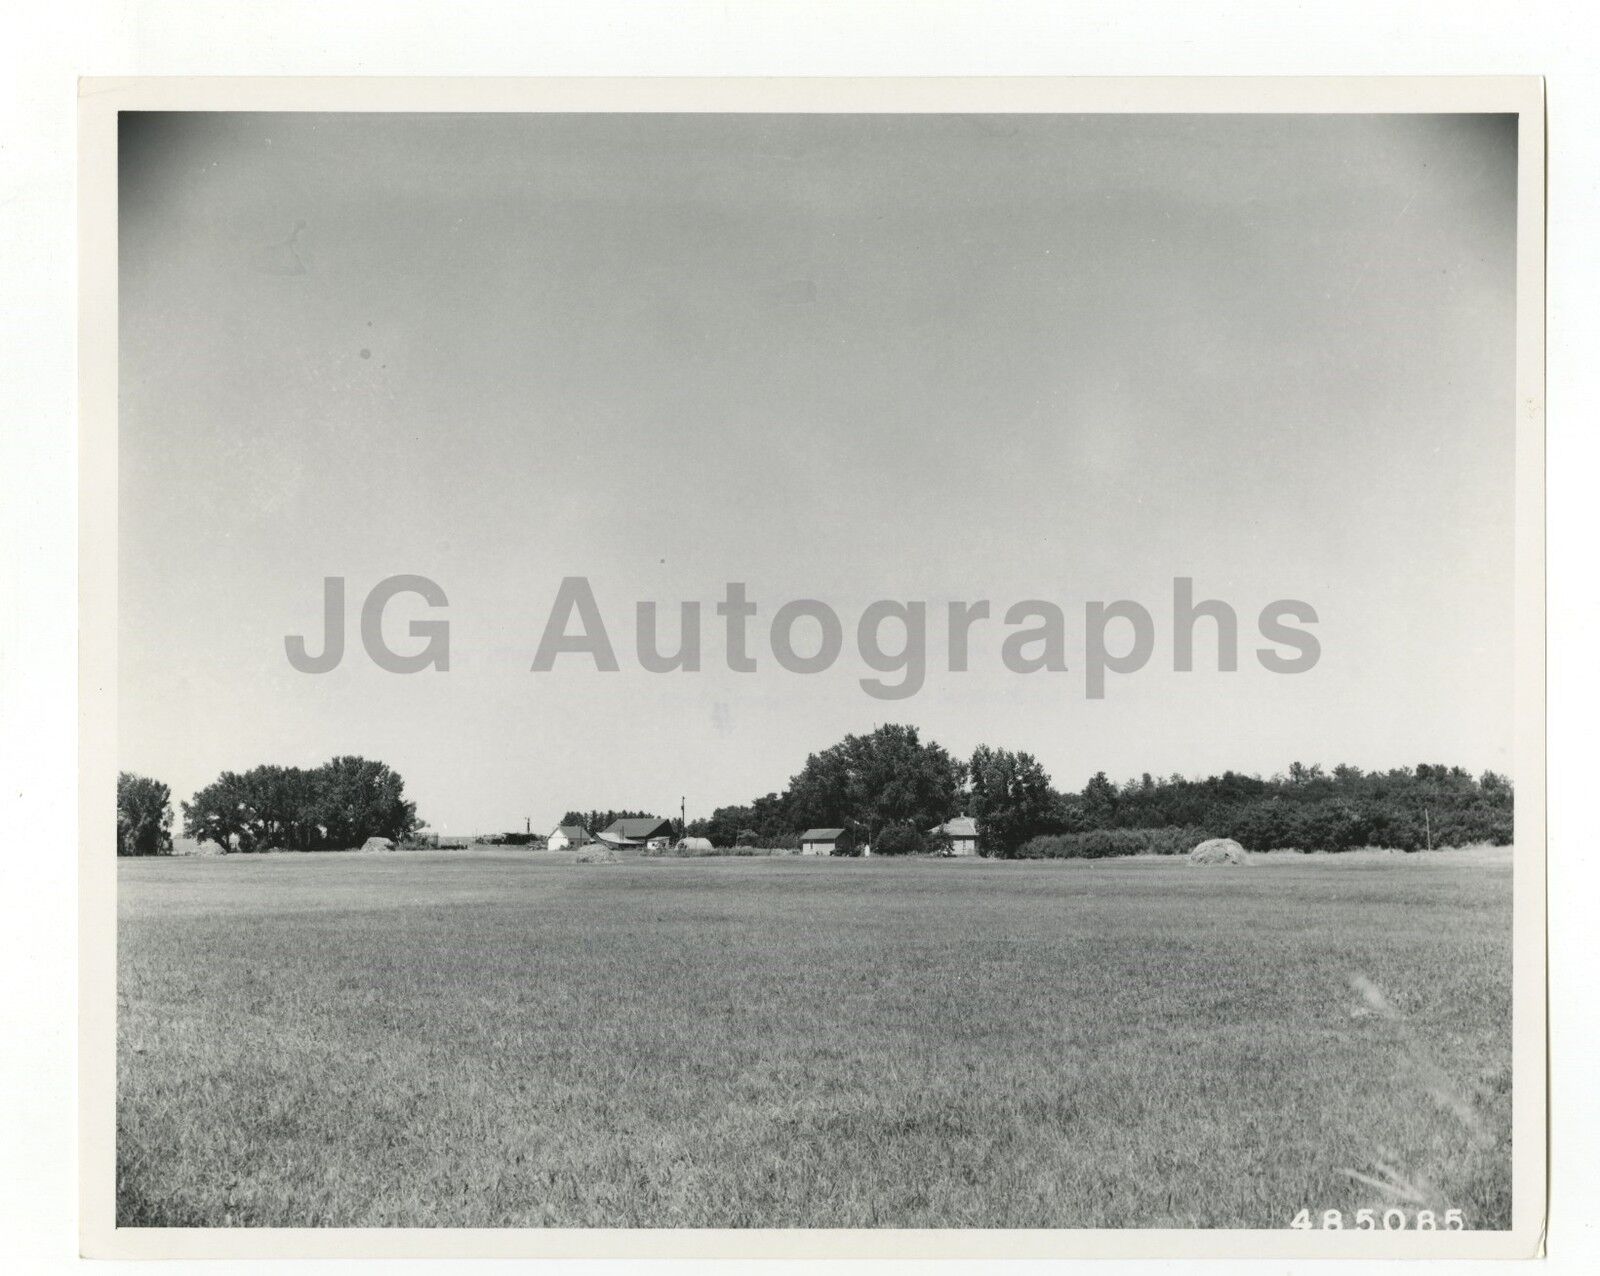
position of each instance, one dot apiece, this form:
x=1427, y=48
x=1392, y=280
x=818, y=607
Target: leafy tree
x=144, y=816
x=224, y=812
x=1301, y=774
x=1011, y=798
x=726, y=823
x=1068, y=813
x=339, y=804
x=867, y=782
x=1100, y=799
x=825, y=793
x=357, y=799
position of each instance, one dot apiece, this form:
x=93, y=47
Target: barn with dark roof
x=638, y=831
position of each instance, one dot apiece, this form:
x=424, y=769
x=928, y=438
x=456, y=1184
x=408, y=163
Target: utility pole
x=683, y=823
x=1427, y=825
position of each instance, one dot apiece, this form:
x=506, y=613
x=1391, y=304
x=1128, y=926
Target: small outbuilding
x=567, y=835
x=962, y=833
x=826, y=842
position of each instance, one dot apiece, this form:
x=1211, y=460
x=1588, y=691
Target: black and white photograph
x=821, y=667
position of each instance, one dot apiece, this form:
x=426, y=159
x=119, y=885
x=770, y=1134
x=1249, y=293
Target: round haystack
x=378, y=844
x=1218, y=850
x=596, y=853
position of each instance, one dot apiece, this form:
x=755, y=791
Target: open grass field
x=511, y=1039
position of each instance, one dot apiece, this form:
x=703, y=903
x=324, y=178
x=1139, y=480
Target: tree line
x=339, y=804
x=890, y=788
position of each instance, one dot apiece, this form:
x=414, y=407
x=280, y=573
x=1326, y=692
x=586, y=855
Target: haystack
x=596, y=853
x=378, y=844
x=1218, y=850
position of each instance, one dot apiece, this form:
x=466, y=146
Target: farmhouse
x=825, y=841
x=641, y=831
x=962, y=832
x=567, y=835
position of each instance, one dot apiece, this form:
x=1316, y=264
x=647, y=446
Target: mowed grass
x=511, y=1039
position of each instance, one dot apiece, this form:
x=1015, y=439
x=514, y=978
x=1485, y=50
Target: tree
x=1301, y=774
x=1011, y=798
x=737, y=825
x=824, y=793
x=144, y=815
x=1068, y=814
x=1100, y=799
x=222, y=813
x=1494, y=785
x=358, y=798
x=866, y=782
x=339, y=804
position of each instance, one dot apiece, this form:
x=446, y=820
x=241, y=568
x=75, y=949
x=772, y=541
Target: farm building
x=567, y=835
x=962, y=832
x=825, y=841
x=645, y=830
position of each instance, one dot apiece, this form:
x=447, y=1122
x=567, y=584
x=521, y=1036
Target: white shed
x=567, y=835
x=824, y=841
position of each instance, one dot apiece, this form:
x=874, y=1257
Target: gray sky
x=839, y=357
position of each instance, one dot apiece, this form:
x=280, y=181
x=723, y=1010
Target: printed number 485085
x=1372, y=1221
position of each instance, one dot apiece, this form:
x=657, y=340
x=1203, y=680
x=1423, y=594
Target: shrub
x=898, y=839
x=688, y=853
x=1340, y=825
x=1103, y=843
x=750, y=839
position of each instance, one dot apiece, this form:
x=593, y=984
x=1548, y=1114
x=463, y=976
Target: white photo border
x=100, y=100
